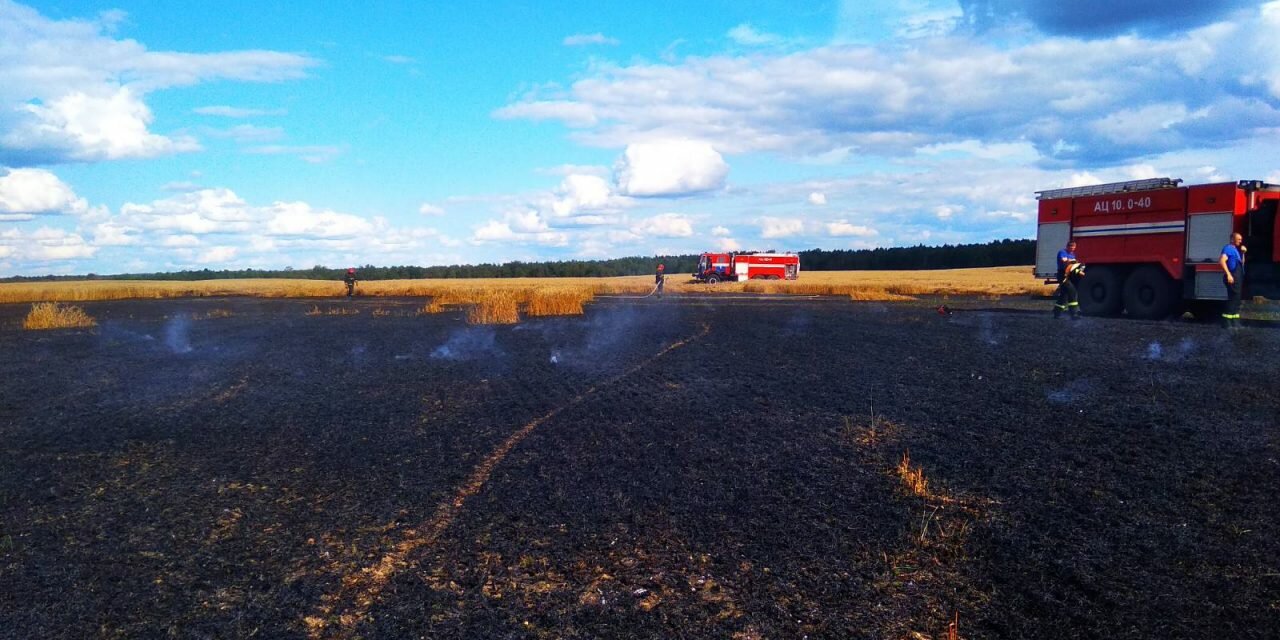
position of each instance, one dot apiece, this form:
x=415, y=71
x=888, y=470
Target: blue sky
x=140, y=136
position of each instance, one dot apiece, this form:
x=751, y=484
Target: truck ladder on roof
x=1110, y=187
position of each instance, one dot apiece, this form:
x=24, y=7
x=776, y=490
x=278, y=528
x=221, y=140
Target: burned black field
x=684, y=468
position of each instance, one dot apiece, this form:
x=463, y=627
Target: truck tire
x=1149, y=293
x=713, y=279
x=1205, y=310
x=1101, y=291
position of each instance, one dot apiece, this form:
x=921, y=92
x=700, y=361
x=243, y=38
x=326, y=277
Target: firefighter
x=659, y=279
x=350, y=281
x=1232, y=262
x=1069, y=273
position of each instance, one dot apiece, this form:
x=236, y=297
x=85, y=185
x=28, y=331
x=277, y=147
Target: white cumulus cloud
x=301, y=219
x=25, y=192
x=44, y=245
x=842, y=229
x=1072, y=101
x=771, y=227
x=665, y=225
x=91, y=127
x=670, y=168
x=72, y=91
x=218, y=255
x=817, y=198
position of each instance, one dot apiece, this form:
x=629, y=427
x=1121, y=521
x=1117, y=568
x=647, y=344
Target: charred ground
x=181, y=472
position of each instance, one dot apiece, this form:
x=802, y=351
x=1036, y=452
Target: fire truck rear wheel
x=713, y=279
x=1149, y=293
x=1101, y=291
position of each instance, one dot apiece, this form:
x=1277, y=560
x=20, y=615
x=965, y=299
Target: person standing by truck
x=1069, y=271
x=659, y=279
x=1232, y=262
x=350, y=281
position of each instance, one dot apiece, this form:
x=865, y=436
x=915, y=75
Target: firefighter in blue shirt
x=1232, y=263
x=1069, y=273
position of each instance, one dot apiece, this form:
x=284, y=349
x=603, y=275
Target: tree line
x=998, y=253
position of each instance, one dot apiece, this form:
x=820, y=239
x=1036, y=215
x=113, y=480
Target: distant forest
x=998, y=253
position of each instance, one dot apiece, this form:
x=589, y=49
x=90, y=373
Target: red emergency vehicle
x=1151, y=246
x=747, y=265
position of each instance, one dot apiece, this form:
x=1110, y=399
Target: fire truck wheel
x=1149, y=293
x=1205, y=310
x=1100, y=292
x=713, y=279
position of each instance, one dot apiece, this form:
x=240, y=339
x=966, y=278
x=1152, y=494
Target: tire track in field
x=343, y=609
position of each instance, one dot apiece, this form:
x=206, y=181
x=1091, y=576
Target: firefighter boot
x=1074, y=307
x=1057, y=311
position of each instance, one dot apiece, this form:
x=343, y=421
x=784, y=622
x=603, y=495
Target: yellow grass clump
x=494, y=307
x=51, y=315
x=912, y=478
x=558, y=302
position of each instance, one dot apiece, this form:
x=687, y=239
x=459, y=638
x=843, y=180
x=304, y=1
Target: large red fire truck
x=747, y=265
x=1151, y=246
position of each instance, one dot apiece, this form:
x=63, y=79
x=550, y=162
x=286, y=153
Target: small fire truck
x=1151, y=247
x=747, y=265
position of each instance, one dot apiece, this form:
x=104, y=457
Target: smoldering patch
x=177, y=334
x=1156, y=351
x=469, y=344
x=1074, y=391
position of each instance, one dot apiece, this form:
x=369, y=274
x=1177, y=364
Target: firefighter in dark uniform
x=1069, y=273
x=350, y=281
x=1232, y=262
x=659, y=279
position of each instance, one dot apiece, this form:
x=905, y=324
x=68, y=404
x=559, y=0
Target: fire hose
x=655, y=290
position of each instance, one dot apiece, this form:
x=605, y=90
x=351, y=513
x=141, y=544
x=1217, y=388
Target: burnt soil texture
x=682, y=468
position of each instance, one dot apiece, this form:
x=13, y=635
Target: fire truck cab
x=746, y=265
x=1151, y=247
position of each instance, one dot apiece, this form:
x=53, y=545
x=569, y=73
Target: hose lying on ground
x=655, y=290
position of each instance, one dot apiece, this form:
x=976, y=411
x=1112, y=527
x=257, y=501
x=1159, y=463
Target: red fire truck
x=747, y=265
x=1151, y=247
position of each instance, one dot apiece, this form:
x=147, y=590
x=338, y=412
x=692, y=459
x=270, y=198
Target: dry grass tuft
x=381, y=313
x=558, y=302
x=331, y=311
x=435, y=306
x=870, y=433
x=494, y=307
x=213, y=313
x=913, y=479
x=52, y=315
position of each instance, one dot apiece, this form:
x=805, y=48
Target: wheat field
x=997, y=281
x=502, y=300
